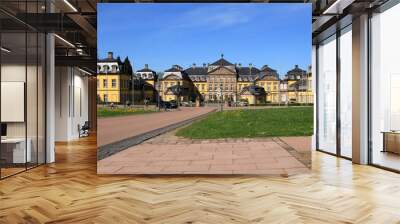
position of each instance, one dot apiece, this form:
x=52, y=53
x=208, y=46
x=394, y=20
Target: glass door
x=385, y=89
x=346, y=95
x=327, y=95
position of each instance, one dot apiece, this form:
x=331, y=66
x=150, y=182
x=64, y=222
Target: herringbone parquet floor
x=69, y=191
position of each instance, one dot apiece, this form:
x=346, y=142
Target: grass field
x=114, y=112
x=292, y=121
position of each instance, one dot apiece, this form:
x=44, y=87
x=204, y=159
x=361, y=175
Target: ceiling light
x=70, y=5
x=337, y=7
x=64, y=40
x=86, y=72
x=5, y=50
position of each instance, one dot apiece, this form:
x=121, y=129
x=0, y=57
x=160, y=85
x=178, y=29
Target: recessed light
x=70, y=5
x=64, y=40
x=5, y=50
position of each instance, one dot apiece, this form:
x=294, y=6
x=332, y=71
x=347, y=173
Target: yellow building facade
x=228, y=82
x=149, y=78
x=113, y=80
x=176, y=85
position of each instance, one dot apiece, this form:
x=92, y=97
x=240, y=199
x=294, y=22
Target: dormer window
x=106, y=68
x=114, y=68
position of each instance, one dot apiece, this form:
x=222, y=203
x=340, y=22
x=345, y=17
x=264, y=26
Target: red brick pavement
x=179, y=156
x=117, y=128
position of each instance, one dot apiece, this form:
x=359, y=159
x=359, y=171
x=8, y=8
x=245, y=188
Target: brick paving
x=114, y=129
x=168, y=154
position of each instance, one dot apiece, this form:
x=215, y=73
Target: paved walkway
x=118, y=128
x=168, y=154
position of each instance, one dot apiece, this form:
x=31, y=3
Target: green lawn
x=292, y=121
x=114, y=112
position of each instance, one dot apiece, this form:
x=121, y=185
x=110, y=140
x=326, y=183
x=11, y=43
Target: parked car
x=165, y=104
x=173, y=104
x=243, y=103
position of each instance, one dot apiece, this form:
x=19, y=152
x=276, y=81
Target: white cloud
x=213, y=18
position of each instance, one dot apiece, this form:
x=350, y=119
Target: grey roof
x=110, y=60
x=173, y=69
x=268, y=76
x=246, y=71
x=145, y=70
x=266, y=68
x=222, y=62
x=254, y=90
x=296, y=70
x=196, y=71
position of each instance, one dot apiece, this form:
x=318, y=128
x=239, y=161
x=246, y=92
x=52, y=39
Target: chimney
x=204, y=65
x=296, y=66
x=146, y=66
x=110, y=55
x=194, y=65
x=240, y=65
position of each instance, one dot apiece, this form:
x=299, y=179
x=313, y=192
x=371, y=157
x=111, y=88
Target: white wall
x=71, y=102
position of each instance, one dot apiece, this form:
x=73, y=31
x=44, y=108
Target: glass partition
x=385, y=89
x=13, y=95
x=327, y=95
x=22, y=101
x=346, y=92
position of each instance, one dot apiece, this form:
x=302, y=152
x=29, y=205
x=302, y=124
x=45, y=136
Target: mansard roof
x=196, y=71
x=174, y=68
x=296, y=70
x=222, y=62
x=247, y=71
x=145, y=70
x=118, y=60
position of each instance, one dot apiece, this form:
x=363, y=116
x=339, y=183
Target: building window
x=105, y=97
x=113, y=83
x=104, y=83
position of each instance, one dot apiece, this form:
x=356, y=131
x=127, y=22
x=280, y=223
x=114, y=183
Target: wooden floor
x=69, y=191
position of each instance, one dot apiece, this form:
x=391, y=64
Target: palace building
x=225, y=81
x=220, y=81
x=113, y=80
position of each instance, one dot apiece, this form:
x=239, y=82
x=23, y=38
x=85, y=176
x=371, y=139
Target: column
x=360, y=90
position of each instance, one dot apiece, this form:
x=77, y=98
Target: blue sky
x=160, y=35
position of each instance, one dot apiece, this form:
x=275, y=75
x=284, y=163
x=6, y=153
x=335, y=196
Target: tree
x=127, y=66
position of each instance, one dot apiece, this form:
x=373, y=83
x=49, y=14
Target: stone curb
x=115, y=147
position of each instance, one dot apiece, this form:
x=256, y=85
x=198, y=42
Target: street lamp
x=133, y=91
x=158, y=88
x=220, y=99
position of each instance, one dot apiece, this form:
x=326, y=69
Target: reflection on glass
x=327, y=95
x=22, y=91
x=14, y=153
x=346, y=92
x=385, y=92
